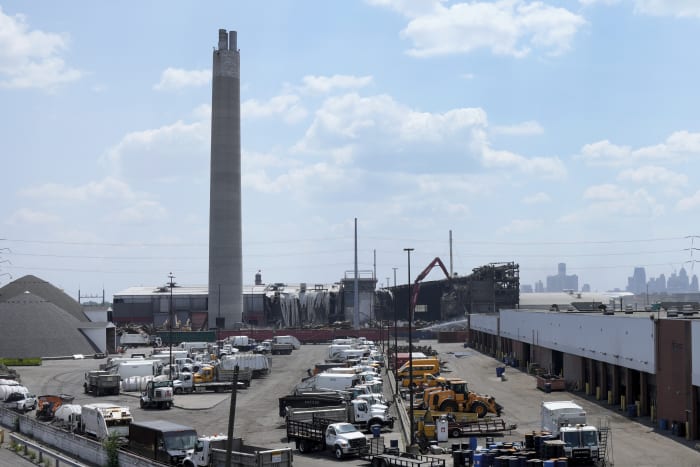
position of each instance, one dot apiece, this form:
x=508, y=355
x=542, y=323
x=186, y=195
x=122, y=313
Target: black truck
x=162, y=441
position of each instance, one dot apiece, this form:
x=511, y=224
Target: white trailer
x=328, y=382
x=138, y=368
x=103, y=420
x=67, y=416
x=556, y=414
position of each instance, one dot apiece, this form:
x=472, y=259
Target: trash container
x=547, y=387
x=499, y=371
x=457, y=458
x=376, y=430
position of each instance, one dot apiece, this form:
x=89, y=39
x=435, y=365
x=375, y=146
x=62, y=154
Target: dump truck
x=205, y=380
x=158, y=394
x=455, y=396
x=100, y=382
x=162, y=441
x=210, y=451
x=343, y=439
x=48, y=404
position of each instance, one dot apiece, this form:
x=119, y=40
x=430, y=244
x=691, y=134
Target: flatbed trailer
x=379, y=456
x=482, y=426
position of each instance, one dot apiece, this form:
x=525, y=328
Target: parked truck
x=220, y=374
x=162, y=441
x=102, y=420
x=343, y=439
x=358, y=412
x=17, y=397
x=280, y=347
x=567, y=420
x=188, y=383
x=158, y=394
x=100, y=382
x=210, y=451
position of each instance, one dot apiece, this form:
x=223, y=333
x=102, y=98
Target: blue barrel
x=663, y=424
x=549, y=463
x=473, y=443
x=376, y=430
x=561, y=462
x=499, y=371
x=394, y=443
x=632, y=410
x=479, y=459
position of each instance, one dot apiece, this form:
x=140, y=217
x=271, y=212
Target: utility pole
x=396, y=344
x=170, y=333
x=410, y=348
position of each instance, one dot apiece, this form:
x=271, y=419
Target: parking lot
x=634, y=442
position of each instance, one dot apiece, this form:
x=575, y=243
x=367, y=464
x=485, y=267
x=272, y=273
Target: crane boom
x=421, y=276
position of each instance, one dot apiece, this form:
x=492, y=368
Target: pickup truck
x=343, y=439
x=21, y=402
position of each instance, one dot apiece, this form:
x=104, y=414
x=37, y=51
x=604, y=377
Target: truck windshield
x=181, y=440
x=345, y=428
x=571, y=438
x=589, y=438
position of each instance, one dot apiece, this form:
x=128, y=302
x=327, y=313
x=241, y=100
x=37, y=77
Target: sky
x=536, y=132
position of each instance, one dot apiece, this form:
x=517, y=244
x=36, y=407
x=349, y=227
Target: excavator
x=453, y=395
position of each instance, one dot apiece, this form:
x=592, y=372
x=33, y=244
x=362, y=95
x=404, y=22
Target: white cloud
x=172, y=79
x=161, y=152
x=288, y=106
x=679, y=8
x=140, y=212
x=107, y=188
x=32, y=58
x=653, y=175
x=327, y=84
x=610, y=201
x=506, y=27
x=545, y=167
x=31, y=216
x=521, y=129
x=678, y=147
x=537, y=198
x=689, y=203
x=518, y=226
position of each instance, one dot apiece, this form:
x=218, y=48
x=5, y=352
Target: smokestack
x=225, y=232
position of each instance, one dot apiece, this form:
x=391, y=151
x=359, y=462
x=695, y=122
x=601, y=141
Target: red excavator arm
x=421, y=276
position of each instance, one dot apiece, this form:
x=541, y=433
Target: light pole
x=396, y=345
x=170, y=333
x=410, y=347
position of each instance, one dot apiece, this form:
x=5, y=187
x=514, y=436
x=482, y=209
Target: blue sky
x=536, y=131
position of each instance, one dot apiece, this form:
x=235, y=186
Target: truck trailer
x=102, y=420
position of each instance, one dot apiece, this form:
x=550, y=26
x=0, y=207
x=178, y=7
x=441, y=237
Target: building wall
x=674, y=379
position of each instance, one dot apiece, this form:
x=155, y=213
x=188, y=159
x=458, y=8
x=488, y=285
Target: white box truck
x=556, y=414
x=567, y=421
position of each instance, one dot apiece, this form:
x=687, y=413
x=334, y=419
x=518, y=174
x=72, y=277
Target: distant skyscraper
x=225, y=243
x=638, y=282
x=539, y=287
x=586, y=288
x=561, y=281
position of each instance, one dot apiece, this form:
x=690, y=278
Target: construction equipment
x=455, y=396
x=48, y=404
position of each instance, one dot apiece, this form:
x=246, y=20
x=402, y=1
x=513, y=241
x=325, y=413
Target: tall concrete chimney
x=225, y=243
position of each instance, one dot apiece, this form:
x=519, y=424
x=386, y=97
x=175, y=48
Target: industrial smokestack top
x=227, y=41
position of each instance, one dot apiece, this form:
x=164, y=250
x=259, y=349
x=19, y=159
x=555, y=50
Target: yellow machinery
x=455, y=396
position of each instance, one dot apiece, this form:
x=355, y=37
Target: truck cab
x=364, y=414
x=158, y=394
x=344, y=440
x=581, y=442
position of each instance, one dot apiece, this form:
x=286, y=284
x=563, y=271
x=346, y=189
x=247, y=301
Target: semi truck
x=567, y=421
x=102, y=420
x=100, y=382
x=162, y=441
x=343, y=439
x=210, y=451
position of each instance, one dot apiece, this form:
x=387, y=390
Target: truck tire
x=303, y=447
x=448, y=406
x=338, y=452
x=85, y=388
x=480, y=409
x=142, y=404
x=178, y=391
x=377, y=462
x=456, y=433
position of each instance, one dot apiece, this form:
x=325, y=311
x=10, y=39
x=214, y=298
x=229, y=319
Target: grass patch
x=21, y=361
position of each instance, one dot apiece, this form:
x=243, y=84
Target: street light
x=170, y=333
x=410, y=347
x=396, y=345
